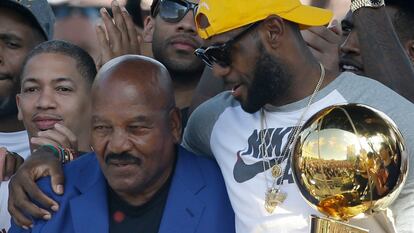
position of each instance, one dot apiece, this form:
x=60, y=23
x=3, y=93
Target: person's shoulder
x=361, y=88
x=215, y=105
x=201, y=122
x=206, y=165
x=356, y=81
x=204, y=161
x=350, y=78
x=205, y=115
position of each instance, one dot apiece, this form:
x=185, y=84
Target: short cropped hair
x=84, y=62
x=403, y=19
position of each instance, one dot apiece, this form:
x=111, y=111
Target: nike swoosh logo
x=243, y=172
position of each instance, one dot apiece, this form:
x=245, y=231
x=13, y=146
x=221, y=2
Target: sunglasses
x=173, y=11
x=64, y=11
x=221, y=53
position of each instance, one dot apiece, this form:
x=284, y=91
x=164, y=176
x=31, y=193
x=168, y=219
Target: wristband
x=54, y=149
x=64, y=155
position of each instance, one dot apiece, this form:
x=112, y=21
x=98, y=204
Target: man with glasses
x=257, y=48
x=171, y=30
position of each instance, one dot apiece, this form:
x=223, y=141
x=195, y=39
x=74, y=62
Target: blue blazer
x=197, y=201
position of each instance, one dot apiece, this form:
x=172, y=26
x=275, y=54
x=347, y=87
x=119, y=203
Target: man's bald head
x=135, y=123
x=139, y=76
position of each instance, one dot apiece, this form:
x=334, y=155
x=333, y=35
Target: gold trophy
x=347, y=160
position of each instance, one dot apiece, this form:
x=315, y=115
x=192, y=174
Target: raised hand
x=118, y=36
x=324, y=44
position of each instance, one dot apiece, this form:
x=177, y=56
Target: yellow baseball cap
x=217, y=16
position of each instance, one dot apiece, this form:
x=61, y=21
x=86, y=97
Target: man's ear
x=148, y=29
x=19, y=113
x=409, y=47
x=175, y=124
x=274, y=28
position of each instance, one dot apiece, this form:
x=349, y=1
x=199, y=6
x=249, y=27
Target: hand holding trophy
x=348, y=159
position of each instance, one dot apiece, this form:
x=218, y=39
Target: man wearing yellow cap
x=257, y=48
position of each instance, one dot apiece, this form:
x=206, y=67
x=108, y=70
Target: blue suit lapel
x=90, y=210
x=183, y=209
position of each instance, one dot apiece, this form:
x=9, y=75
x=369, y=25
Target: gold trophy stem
x=326, y=225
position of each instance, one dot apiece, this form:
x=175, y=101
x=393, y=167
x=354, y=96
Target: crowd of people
x=98, y=137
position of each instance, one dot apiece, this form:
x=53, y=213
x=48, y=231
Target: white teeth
x=349, y=67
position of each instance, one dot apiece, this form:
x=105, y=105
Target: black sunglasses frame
x=221, y=53
x=188, y=6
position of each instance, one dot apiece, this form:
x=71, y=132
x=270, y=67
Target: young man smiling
x=54, y=101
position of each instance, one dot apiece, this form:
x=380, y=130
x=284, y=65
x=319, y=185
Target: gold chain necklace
x=274, y=196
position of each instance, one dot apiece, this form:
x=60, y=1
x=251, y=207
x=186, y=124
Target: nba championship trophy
x=347, y=160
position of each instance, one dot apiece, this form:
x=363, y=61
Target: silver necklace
x=273, y=195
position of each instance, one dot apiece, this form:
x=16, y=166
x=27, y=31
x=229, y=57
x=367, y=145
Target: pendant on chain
x=276, y=171
x=273, y=198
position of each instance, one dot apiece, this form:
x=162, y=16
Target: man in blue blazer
x=138, y=179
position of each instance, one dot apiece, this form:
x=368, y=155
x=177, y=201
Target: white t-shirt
x=17, y=142
x=221, y=128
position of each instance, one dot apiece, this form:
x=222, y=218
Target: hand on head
x=324, y=44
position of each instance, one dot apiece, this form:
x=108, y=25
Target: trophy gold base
x=326, y=225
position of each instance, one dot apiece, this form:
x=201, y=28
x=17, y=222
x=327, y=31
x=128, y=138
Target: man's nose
x=119, y=142
x=46, y=100
x=351, y=44
x=187, y=23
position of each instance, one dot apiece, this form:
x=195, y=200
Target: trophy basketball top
x=349, y=159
